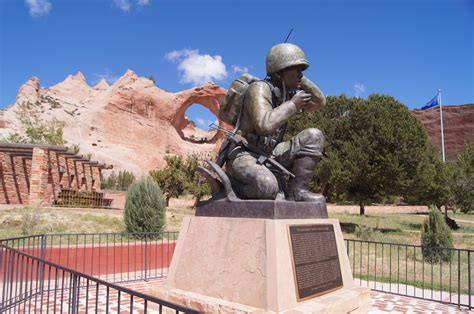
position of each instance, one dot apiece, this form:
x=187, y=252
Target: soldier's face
x=292, y=77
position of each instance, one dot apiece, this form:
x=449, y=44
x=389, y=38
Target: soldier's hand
x=310, y=106
x=301, y=99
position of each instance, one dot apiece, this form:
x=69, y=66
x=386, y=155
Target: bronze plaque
x=315, y=260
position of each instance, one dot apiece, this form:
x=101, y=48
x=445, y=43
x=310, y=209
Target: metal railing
x=403, y=269
x=56, y=272
x=115, y=257
x=32, y=284
x=80, y=265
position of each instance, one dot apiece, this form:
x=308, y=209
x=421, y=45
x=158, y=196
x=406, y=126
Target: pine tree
x=145, y=207
x=436, y=238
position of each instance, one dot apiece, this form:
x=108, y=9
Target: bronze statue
x=266, y=107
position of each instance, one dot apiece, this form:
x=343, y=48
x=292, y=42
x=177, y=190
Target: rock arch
x=209, y=101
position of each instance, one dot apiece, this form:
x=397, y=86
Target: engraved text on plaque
x=315, y=259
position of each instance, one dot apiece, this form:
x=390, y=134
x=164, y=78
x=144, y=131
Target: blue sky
x=404, y=48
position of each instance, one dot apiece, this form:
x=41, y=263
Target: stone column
x=97, y=176
x=39, y=177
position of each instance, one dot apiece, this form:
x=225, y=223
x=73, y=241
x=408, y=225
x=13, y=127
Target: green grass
x=31, y=220
x=399, y=228
x=462, y=216
x=406, y=265
x=175, y=216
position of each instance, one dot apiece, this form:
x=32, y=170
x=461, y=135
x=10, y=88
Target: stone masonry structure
x=32, y=174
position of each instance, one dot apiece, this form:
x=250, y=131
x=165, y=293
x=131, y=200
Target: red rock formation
x=458, y=125
x=131, y=124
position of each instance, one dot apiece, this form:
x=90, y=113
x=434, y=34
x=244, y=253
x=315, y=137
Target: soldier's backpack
x=231, y=107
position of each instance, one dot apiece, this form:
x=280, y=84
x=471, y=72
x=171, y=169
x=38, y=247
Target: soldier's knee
x=314, y=135
x=267, y=186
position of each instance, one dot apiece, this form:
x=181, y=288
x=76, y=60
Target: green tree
x=436, y=238
x=37, y=130
x=179, y=176
x=152, y=78
x=171, y=179
x=195, y=184
x=119, y=182
x=463, y=181
x=434, y=183
x=145, y=207
x=374, y=148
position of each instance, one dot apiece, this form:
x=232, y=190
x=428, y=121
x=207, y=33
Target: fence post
x=42, y=258
x=75, y=295
x=459, y=278
x=469, y=278
x=3, y=274
x=146, y=255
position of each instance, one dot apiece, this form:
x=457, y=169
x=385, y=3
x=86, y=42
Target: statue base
x=260, y=265
x=266, y=209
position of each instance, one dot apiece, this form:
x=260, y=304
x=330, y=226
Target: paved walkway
x=390, y=303
x=97, y=302
x=381, y=303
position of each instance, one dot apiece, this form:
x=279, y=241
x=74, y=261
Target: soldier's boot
x=297, y=189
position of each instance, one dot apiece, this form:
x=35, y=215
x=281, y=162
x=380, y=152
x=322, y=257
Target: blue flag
x=432, y=103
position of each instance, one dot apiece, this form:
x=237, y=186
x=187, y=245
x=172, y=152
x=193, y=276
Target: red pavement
x=381, y=302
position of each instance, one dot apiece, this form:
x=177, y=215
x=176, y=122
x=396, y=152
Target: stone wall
x=38, y=175
x=14, y=179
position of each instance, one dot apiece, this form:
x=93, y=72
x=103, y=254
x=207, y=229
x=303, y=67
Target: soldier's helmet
x=283, y=56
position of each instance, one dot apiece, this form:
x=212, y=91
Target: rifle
x=239, y=140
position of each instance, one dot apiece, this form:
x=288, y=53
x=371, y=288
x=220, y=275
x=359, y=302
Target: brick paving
x=97, y=302
x=391, y=303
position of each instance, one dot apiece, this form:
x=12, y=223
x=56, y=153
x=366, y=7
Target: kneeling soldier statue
x=257, y=160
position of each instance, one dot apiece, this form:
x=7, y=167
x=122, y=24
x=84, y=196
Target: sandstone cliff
x=458, y=125
x=131, y=124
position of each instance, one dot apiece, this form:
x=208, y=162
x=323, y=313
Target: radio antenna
x=289, y=34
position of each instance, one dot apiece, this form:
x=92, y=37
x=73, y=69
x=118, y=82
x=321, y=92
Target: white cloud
x=359, y=89
x=200, y=122
x=143, y=2
x=196, y=68
x=123, y=5
x=107, y=75
x=204, y=124
x=239, y=69
x=38, y=7
x=127, y=5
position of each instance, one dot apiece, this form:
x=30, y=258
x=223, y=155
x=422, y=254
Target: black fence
x=404, y=270
x=115, y=257
x=32, y=282
x=82, y=272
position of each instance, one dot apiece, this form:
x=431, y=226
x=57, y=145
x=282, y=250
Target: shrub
x=436, y=237
x=144, y=207
x=30, y=221
x=364, y=233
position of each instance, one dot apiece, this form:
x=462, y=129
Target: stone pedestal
x=246, y=265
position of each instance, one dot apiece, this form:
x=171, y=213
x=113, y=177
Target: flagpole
x=441, y=122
